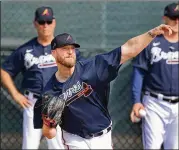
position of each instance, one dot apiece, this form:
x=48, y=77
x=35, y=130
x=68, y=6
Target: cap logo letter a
x=45, y=12
x=69, y=38
x=177, y=8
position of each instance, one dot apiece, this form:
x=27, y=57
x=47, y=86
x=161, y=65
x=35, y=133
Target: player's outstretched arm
x=135, y=45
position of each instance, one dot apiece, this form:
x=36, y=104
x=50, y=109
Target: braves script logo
x=170, y=57
x=78, y=90
x=70, y=95
x=43, y=61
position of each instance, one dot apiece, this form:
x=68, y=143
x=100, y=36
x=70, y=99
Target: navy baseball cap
x=172, y=10
x=63, y=40
x=44, y=14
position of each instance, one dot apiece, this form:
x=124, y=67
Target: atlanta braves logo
x=43, y=61
x=86, y=91
x=78, y=90
x=177, y=8
x=69, y=38
x=170, y=57
x=45, y=12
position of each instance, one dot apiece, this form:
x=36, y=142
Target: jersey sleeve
x=142, y=60
x=108, y=64
x=14, y=63
x=136, y=85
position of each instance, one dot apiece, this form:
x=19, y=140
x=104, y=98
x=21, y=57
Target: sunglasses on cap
x=44, y=22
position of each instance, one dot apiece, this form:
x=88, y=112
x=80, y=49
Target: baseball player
x=86, y=122
x=37, y=65
x=155, y=77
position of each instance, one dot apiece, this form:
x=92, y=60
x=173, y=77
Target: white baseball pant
x=160, y=124
x=31, y=136
x=72, y=141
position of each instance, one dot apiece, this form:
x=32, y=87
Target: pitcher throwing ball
x=82, y=86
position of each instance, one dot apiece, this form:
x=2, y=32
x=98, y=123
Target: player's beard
x=68, y=62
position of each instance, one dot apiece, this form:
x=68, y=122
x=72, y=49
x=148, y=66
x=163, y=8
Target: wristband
x=150, y=34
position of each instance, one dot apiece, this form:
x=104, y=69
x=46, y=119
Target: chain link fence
x=98, y=27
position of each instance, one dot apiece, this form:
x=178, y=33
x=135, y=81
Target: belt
x=35, y=95
x=98, y=133
x=170, y=99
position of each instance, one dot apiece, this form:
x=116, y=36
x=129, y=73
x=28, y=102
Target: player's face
x=45, y=28
x=174, y=23
x=65, y=56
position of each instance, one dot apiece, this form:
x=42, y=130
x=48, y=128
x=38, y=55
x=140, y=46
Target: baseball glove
x=52, y=108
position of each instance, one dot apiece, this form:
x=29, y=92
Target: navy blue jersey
x=160, y=60
x=88, y=89
x=35, y=62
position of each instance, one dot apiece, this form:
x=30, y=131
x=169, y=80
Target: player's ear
x=53, y=52
x=54, y=22
x=163, y=18
x=34, y=23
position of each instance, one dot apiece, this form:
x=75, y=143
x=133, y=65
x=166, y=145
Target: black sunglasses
x=43, y=22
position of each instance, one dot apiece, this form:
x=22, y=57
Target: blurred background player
x=37, y=65
x=156, y=74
